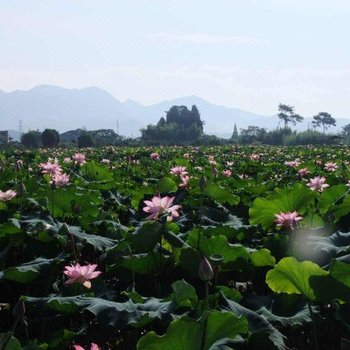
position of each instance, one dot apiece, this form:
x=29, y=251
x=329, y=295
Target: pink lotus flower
x=318, y=184
x=81, y=274
x=330, y=166
x=159, y=206
x=184, y=181
x=92, y=347
x=79, y=159
x=7, y=196
x=155, y=156
x=292, y=164
x=303, y=172
x=60, y=180
x=50, y=168
x=179, y=171
x=254, y=156
x=288, y=220
x=67, y=160
x=227, y=173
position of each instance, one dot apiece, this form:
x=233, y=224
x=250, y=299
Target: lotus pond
x=175, y=248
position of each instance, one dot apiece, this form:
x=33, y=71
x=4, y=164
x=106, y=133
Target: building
x=4, y=137
x=70, y=136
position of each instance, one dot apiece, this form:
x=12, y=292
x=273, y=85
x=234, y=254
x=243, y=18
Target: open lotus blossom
x=303, y=172
x=227, y=173
x=105, y=161
x=92, y=347
x=67, y=160
x=154, y=156
x=288, y=220
x=179, y=171
x=254, y=156
x=317, y=184
x=50, y=168
x=292, y=164
x=81, y=274
x=158, y=206
x=7, y=195
x=79, y=159
x=330, y=166
x=60, y=180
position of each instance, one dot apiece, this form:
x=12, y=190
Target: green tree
x=287, y=115
x=50, y=138
x=85, y=140
x=31, y=139
x=323, y=119
x=253, y=134
x=104, y=137
x=181, y=126
x=346, y=130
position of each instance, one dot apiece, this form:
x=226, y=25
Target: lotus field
x=175, y=248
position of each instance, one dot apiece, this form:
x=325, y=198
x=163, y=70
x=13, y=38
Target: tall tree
x=323, y=119
x=31, y=139
x=287, y=115
x=50, y=138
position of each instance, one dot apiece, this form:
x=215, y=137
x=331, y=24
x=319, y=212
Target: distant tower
x=20, y=127
x=118, y=126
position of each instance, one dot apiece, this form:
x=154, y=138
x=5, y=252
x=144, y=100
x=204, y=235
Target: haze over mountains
x=47, y=106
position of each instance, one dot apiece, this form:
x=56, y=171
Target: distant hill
x=47, y=106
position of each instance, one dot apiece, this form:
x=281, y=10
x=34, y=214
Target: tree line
x=185, y=126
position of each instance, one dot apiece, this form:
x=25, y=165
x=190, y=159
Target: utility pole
x=20, y=127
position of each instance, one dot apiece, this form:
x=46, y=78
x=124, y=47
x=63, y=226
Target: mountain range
x=47, y=106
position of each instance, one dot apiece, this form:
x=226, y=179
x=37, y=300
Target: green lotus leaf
x=292, y=277
x=264, y=209
x=202, y=334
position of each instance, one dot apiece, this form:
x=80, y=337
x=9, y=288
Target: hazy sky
x=250, y=54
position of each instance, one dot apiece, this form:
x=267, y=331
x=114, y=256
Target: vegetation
x=175, y=247
x=31, y=139
x=181, y=126
x=85, y=139
x=323, y=119
x=50, y=138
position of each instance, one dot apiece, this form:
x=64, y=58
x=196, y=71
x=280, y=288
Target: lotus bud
x=21, y=189
x=18, y=165
x=64, y=230
x=19, y=310
x=205, y=271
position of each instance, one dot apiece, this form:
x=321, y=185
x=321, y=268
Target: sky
x=249, y=54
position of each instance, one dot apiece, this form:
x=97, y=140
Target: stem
x=52, y=203
x=207, y=291
x=133, y=269
x=314, y=327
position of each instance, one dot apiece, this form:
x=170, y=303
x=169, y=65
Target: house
x=4, y=137
x=70, y=136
